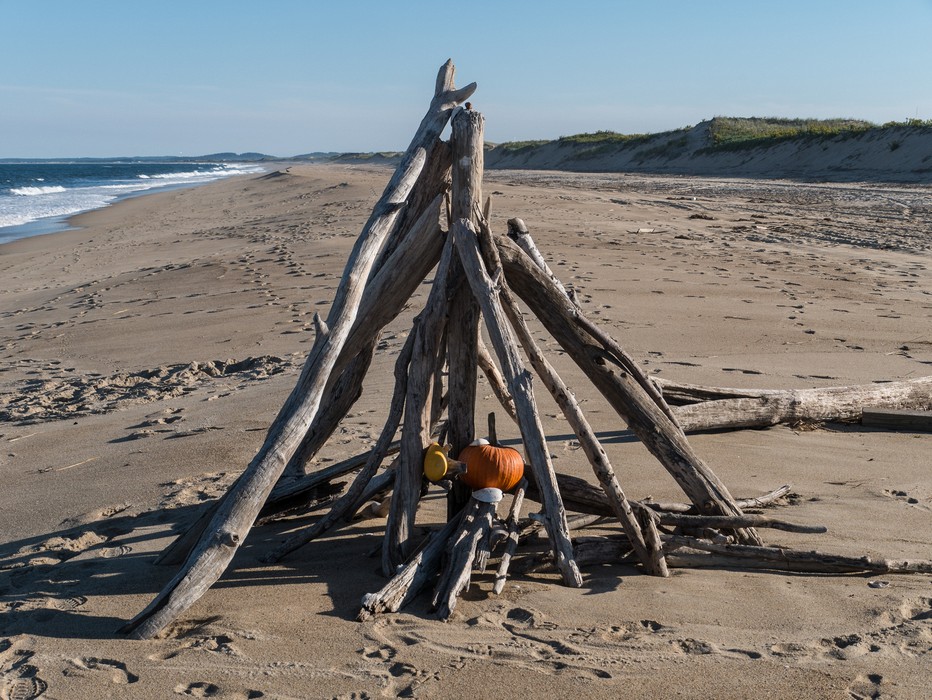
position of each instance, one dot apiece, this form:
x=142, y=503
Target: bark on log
x=519, y=382
x=236, y=515
x=712, y=408
x=629, y=399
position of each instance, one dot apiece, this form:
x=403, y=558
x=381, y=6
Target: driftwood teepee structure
x=430, y=217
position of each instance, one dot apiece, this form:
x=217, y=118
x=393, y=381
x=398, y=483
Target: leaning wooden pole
x=518, y=232
x=235, y=517
x=519, y=383
x=415, y=434
x=385, y=297
x=466, y=192
x=645, y=418
x=348, y=500
x=592, y=448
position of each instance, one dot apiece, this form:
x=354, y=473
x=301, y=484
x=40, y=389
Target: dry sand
x=143, y=357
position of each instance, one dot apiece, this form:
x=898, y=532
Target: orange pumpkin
x=491, y=466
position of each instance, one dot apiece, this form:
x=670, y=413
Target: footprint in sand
x=32, y=603
x=866, y=686
x=198, y=689
x=116, y=670
x=21, y=687
x=19, y=679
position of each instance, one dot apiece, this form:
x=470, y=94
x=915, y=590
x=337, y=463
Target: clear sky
x=166, y=77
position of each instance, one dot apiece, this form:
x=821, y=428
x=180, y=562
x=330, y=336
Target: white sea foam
x=36, y=191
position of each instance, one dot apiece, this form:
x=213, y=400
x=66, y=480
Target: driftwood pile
x=431, y=217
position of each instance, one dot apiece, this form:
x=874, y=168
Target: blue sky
x=107, y=78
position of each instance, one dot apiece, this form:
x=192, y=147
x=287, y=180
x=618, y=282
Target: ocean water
x=37, y=197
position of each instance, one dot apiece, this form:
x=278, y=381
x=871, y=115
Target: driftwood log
x=711, y=408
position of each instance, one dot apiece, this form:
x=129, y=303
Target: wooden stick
x=417, y=424
x=713, y=408
x=648, y=522
x=763, y=501
x=519, y=383
x=511, y=539
x=468, y=159
x=415, y=574
x=830, y=563
x=731, y=522
x=591, y=446
x=461, y=553
x=518, y=232
x=373, y=460
x=229, y=527
x=662, y=438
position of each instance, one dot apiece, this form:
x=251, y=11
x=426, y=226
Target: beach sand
x=144, y=355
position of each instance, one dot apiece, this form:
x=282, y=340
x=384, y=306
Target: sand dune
x=143, y=357
x=881, y=154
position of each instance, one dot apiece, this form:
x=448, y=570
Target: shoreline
x=62, y=223
x=120, y=420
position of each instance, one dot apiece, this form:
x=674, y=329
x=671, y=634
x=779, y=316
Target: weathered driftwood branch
x=385, y=297
x=647, y=521
x=373, y=459
x=237, y=513
x=814, y=561
x=762, y=501
x=592, y=448
x=461, y=553
x=625, y=394
x=512, y=530
x=712, y=408
x=733, y=521
x=684, y=552
x=468, y=159
x=415, y=574
x=518, y=232
x=519, y=383
x=417, y=424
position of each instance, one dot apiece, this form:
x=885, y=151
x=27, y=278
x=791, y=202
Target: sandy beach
x=144, y=355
